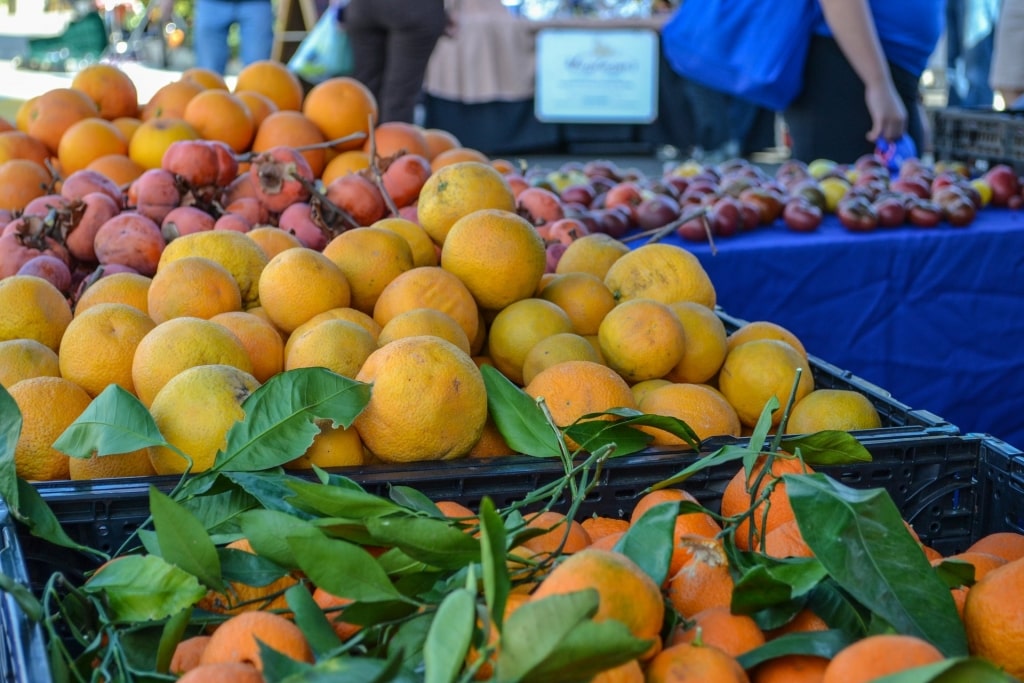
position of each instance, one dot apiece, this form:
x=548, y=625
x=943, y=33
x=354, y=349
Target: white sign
x=596, y=75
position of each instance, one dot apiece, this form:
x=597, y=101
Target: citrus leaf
x=114, y=422
x=408, y=497
x=767, y=582
x=534, y=631
x=494, y=559
x=277, y=666
x=183, y=541
x=145, y=588
x=448, y=639
x=42, y=523
x=311, y=619
x=22, y=594
x=409, y=639
x=170, y=636
x=355, y=669
x=278, y=424
x=433, y=541
x=649, y=542
x=268, y=532
x=632, y=418
x=10, y=432
x=827, y=447
x=723, y=455
x=597, y=433
x=220, y=513
x=955, y=572
x=588, y=650
x=958, y=670
x=861, y=540
x=333, y=501
x=518, y=417
x=249, y=568
x=342, y=569
x=817, y=643
x=272, y=490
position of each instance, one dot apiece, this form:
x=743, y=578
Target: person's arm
x=854, y=30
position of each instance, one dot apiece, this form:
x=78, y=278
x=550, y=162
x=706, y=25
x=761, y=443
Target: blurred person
x=392, y=41
x=1007, y=74
x=213, y=22
x=861, y=77
x=970, y=32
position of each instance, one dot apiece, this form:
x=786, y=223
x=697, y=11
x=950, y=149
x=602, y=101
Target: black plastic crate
x=22, y=647
x=892, y=412
x=979, y=137
x=1001, y=480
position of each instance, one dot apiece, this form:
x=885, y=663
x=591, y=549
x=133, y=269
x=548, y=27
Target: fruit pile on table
x=221, y=284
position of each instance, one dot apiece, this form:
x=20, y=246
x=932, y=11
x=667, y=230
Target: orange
x=219, y=115
x=626, y=593
x=424, y=253
x=575, y=388
x=333, y=607
x=25, y=358
x=992, y=618
x=983, y=563
x=689, y=529
x=733, y=634
x=705, y=346
x=260, y=338
x=428, y=287
x=1008, y=545
x=226, y=672
x=641, y=339
x=181, y=343
x=457, y=156
x=517, y=328
x=111, y=89
x=879, y=655
x=703, y=581
x=341, y=106
x=238, y=639
x=350, y=161
x=15, y=144
x=21, y=181
x=127, y=125
x=187, y=653
x=99, y=344
x=170, y=100
x=765, y=329
x=396, y=137
x=689, y=663
x=491, y=444
x=32, y=309
x=641, y=389
x=333, y=446
x=55, y=111
x=663, y=272
x=194, y=411
x=154, y=136
x=342, y=313
x=438, y=141
x=292, y=129
x=273, y=79
x=564, y=535
x=24, y=113
x=458, y=190
x=583, y=297
x=758, y=370
x=497, y=254
x=192, y=286
x=421, y=321
x=741, y=491
x=421, y=385
x=118, y=167
x=48, y=406
x=234, y=250
x=594, y=253
x=630, y=672
x=273, y=240
x=338, y=345
x=300, y=283
x=785, y=540
x=370, y=258
x=208, y=78
x=133, y=464
x=791, y=669
x=805, y=620
x=599, y=526
x=556, y=349
x=838, y=409
x=243, y=597
x=259, y=105
x=702, y=408
x=119, y=288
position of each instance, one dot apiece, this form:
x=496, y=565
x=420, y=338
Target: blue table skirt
x=936, y=317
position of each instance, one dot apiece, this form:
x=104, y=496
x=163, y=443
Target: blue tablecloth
x=936, y=317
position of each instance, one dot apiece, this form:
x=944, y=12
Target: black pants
x=392, y=40
x=829, y=119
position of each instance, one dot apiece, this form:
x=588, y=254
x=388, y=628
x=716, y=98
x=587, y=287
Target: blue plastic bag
x=324, y=52
x=752, y=49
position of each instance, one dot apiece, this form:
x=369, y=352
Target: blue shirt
x=909, y=30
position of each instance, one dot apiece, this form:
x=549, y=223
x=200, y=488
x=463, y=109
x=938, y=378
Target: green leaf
x=958, y=670
x=145, y=588
x=861, y=540
x=170, y=636
x=220, y=513
x=518, y=417
x=278, y=424
x=42, y=523
x=955, y=573
x=408, y=497
x=594, y=434
x=448, y=639
x=343, y=569
x=271, y=489
x=631, y=419
x=268, y=532
x=311, y=619
x=10, y=432
x=183, y=540
x=837, y=609
x=650, y=542
x=249, y=568
x=277, y=666
x=494, y=560
x=433, y=541
x=828, y=447
x=770, y=582
x=409, y=639
x=23, y=595
x=114, y=422
x=334, y=501
x=816, y=643
x=354, y=670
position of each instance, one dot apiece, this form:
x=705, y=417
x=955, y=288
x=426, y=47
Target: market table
x=934, y=316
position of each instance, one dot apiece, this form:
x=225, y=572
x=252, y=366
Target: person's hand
x=888, y=115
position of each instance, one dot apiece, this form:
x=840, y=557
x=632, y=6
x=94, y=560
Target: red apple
x=696, y=229
x=924, y=213
x=1004, y=183
x=539, y=205
x=656, y=211
x=959, y=212
x=912, y=185
x=582, y=193
x=768, y=200
x=725, y=216
x=857, y=214
x=553, y=253
x=800, y=215
x=890, y=211
x=627, y=193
